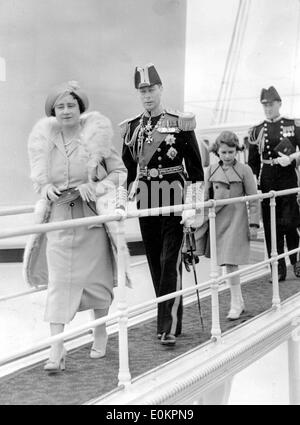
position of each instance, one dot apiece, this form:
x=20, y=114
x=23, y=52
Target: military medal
x=170, y=139
x=288, y=131
x=172, y=153
x=147, y=130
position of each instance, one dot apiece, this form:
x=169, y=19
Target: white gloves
x=87, y=192
x=188, y=217
x=283, y=160
x=52, y=192
x=195, y=193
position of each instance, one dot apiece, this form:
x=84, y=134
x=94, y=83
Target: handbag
x=68, y=195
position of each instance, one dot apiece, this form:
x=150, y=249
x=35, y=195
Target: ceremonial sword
x=190, y=247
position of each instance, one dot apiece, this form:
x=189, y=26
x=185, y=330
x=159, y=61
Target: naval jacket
x=265, y=137
x=174, y=141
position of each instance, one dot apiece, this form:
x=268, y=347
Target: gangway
x=209, y=356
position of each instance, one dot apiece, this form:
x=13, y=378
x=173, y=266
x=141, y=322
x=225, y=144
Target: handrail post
x=274, y=264
x=124, y=376
x=215, y=328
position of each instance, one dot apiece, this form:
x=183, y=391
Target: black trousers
x=289, y=232
x=162, y=237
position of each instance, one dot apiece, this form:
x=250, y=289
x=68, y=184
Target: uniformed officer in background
x=272, y=148
x=156, y=143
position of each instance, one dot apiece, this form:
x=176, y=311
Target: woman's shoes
x=235, y=312
x=56, y=365
x=97, y=354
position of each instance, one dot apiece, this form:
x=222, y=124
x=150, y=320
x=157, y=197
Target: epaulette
x=124, y=125
x=257, y=125
x=186, y=120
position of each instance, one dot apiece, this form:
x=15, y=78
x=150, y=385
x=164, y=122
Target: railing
x=124, y=312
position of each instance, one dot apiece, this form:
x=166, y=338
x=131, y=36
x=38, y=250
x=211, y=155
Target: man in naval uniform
x=156, y=143
x=271, y=157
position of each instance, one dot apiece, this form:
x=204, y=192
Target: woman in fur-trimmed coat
x=73, y=167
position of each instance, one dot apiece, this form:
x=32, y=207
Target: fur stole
x=95, y=143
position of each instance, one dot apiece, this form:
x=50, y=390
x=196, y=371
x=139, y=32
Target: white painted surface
x=21, y=325
x=264, y=382
x=2, y=69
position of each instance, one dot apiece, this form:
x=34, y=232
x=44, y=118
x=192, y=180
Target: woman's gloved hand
x=87, y=192
x=53, y=193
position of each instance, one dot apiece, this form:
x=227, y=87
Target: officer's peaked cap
x=269, y=95
x=146, y=76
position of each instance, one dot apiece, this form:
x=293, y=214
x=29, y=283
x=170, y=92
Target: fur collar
x=96, y=142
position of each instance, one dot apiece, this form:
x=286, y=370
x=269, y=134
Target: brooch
x=170, y=139
x=172, y=153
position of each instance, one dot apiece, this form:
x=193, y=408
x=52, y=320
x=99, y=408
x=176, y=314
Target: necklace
x=147, y=129
x=67, y=142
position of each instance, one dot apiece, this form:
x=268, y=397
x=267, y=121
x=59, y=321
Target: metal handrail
x=25, y=209
x=121, y=215
x=123, y=313
x=131, y=311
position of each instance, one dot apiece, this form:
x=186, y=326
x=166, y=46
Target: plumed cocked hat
x=63, y=89
x=269, y=95
x=146, y=76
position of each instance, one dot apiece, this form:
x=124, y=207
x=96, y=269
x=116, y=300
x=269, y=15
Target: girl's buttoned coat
x=232, y=221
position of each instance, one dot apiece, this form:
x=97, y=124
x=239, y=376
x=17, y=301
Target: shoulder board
x=173, y=113
x=186, y=120
x=124, y=125
x=295, y=121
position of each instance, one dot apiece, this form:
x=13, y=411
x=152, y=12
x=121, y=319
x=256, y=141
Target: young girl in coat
x=229, y=178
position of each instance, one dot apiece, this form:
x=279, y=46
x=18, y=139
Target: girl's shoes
x=98, y=349
x=56, y=365
x=97, y=354
x=235, y=312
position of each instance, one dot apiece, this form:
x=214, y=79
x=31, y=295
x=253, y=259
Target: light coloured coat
x=98, y=154
x=232, y=221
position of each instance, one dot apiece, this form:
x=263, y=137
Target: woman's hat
x=63, y=89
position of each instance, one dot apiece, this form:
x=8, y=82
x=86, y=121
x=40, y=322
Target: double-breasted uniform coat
x=157, y=169
x=264, y=138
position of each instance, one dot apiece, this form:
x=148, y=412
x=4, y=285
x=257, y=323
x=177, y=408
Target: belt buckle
x=153, y=172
